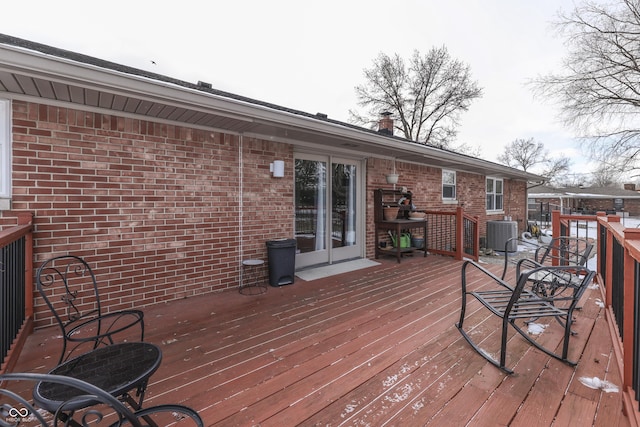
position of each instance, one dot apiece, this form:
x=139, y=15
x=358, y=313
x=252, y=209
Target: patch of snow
x=596, y=383
x=536, y=328
x=404, y=393
x=390, y=380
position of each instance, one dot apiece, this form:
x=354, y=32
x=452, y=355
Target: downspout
x=241, y=209
x=526, y=197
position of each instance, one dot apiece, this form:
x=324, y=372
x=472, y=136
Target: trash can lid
x=281, y=243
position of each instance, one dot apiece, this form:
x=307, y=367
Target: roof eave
x=267, y=121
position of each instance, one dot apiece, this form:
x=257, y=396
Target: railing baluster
x=16, y=306
x=617, y=288
x=443, y=237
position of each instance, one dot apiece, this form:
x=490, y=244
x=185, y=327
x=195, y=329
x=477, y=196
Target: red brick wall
x=426, y=185
x=154, y=208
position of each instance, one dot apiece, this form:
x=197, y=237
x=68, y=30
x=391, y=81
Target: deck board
x=374, y=347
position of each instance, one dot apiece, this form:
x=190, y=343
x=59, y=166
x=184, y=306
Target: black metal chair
x=544, y=291
x=562, y=250
x=16, y=407
x=69, y=287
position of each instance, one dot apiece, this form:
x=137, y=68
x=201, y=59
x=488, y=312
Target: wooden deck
x=372, y=347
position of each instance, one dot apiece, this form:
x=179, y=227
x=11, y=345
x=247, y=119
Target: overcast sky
x=310, y=55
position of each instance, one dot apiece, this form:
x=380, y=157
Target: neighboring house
x=165, y=186
x=621, y=201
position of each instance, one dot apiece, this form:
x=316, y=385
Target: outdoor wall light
x=277, y=168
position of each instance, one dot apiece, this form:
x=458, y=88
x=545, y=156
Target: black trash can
x=281, y=255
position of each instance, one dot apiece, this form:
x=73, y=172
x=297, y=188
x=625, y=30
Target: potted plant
x=390, y=213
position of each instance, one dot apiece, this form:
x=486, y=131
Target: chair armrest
x=498, y=281
x=526, y=264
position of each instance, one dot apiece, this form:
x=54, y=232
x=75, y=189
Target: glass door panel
x=311, y=212
x=344, y=201
x=326, y=213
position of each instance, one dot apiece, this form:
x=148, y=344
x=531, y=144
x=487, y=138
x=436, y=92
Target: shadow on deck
x=373, y=347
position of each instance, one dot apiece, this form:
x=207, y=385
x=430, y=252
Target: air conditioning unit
x=498, y=232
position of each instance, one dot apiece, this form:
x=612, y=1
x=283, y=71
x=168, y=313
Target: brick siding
x=153, y=208
x=426, y=185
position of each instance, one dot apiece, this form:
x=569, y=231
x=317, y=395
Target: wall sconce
x=277, y=168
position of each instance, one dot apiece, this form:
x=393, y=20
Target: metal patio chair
x=98, y=407
x=69, y=287
x=544, y=291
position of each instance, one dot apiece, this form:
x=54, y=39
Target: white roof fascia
x=54, y=68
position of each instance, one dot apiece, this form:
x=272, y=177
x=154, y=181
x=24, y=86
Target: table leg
x=398, y=245
x=137, y=405
x=424, y=247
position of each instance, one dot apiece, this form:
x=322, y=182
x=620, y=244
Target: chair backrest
x=16, y=407
x=68, y=286
x=565, y=250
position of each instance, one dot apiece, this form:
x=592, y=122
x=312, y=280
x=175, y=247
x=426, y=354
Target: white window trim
x=449, y=200
x=494, y=211
x=5, y=152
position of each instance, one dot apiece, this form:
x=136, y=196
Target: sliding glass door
x=328, y=197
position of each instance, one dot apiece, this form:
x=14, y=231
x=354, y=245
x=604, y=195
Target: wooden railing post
x=25, y=218
x=555, y=223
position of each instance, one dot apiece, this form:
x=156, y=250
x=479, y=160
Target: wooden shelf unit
x=384, y=198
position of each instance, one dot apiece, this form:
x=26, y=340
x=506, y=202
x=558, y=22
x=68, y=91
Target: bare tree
x=527, y=154
x=598, y=91
x=556, y=169
x=604, y=176
x=523, y=154
x=609, y=171
x=426, y=96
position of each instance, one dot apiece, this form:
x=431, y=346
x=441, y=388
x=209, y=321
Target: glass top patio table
x=117, y=369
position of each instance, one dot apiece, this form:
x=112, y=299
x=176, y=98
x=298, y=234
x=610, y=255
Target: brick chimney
x=385, y=124
x=631, y=187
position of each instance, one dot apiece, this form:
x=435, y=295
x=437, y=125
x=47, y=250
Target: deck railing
x=16, y=289
x=618, y=265
x=453, y=233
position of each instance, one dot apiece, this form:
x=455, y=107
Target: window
x=448, y=185
x=5, y=149
x=494, y=194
